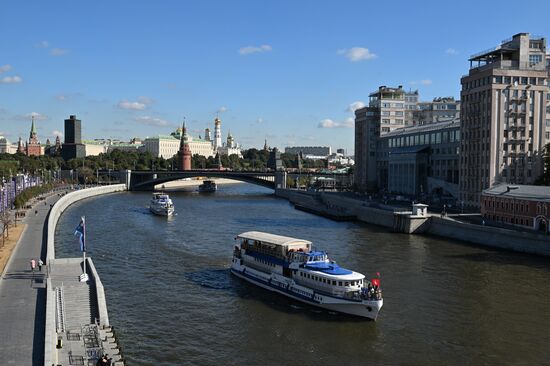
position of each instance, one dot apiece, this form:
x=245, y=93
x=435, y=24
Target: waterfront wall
x=67, y=200
x=405, y=222
x=495, y=237
x=59, y=207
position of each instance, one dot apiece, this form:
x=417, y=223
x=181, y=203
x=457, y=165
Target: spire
x=33, y=127
x=183, y=135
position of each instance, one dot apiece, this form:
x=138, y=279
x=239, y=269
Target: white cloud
x=43, y=44
x=11, y=80
x=57, y=133
x=259, y=120
x=355, y=106
x=222, y=109
x=451, y=51
x=136, y=106
x=151, y=121
x=357, y=54
x=37, y=117
x=58, y=51
x=61, y=98
x=328, y=123
x=421, y=82
x=5, y=68
x=145, y=100
x=253, y=49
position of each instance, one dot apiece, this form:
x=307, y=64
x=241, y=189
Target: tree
x=6, y=222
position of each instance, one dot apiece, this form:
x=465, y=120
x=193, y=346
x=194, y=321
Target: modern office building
x=73, y=147
x=309, y=150
x=419, y=160
x=503, y=116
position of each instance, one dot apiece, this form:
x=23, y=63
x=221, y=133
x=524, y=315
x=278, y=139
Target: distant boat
x=208, y=186
x=161, y=204
x=291, y=267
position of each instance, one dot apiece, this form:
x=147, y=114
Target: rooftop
x=533, y=193
x=424, y=128
x=272, y=238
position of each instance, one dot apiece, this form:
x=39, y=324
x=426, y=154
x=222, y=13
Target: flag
x=80, y=233
x=376, y=282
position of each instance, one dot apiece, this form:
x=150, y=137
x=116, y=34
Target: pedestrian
x=40, y=264
x=35, y=212
x=33, y=265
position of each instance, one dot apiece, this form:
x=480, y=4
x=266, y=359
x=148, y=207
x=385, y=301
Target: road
x=23, y=294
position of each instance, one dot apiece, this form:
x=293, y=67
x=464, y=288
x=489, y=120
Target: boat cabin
x=273, y=245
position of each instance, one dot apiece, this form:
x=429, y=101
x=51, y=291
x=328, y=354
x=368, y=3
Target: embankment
x=51, y=337
x=336, y=205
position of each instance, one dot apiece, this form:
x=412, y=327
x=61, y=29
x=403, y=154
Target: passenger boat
x=291, y=267
x=208, y=186
x=161, y=204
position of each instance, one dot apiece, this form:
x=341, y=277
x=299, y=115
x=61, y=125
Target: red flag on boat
x=376, y=282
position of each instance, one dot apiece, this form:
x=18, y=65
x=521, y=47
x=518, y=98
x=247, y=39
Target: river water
x=173, y=301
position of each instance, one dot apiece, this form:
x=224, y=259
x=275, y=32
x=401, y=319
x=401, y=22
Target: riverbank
x=339, y=207
x=191, y=184
x=72, y=307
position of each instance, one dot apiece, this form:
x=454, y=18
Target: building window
x=534, y=59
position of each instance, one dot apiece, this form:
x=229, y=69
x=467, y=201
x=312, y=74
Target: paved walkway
x=23, y=294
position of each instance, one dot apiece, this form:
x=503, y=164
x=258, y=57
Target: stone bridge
x=147, y=180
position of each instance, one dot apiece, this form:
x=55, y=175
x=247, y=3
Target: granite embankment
x=340, y=207
x=71, y=306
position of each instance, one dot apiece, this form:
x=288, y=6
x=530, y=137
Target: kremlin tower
x=33, y=146
x=184, y=153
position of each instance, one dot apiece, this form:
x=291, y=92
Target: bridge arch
x=147, y=180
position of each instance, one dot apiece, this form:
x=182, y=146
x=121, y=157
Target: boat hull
x=162, y=211
x=365, y=308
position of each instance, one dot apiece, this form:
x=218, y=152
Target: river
x=173, y=301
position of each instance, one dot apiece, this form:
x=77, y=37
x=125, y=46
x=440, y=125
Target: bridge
x=146, y=180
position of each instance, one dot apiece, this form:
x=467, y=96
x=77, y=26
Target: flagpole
x=84, y=247
x=84, y=275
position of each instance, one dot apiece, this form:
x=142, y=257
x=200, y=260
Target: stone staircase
x=81, y=299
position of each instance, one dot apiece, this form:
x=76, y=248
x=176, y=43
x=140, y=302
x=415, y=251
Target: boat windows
x=334, y=283
x=339, y=283
x=347, y=283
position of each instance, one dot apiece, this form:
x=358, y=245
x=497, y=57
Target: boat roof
x=272, y=238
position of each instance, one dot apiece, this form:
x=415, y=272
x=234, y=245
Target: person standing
x=33, y=265
x=40, y=264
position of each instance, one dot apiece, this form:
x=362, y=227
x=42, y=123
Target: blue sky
x=283, y=70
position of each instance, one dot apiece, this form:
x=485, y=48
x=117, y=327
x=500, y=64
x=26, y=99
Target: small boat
x=161, y=204
x=208, y=186
x=291, y=267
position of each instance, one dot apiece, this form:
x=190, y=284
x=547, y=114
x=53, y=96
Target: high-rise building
x=385, y=113
x=73, y=147
x=503, y=116
x=411, y=105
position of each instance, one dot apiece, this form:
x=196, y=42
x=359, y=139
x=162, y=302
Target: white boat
x=161, y=204
x=290, y=267
x=208, y=186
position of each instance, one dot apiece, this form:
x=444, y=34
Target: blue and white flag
x=80, y=233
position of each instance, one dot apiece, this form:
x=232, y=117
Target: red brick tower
x=184, y=152
x=33, y=146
